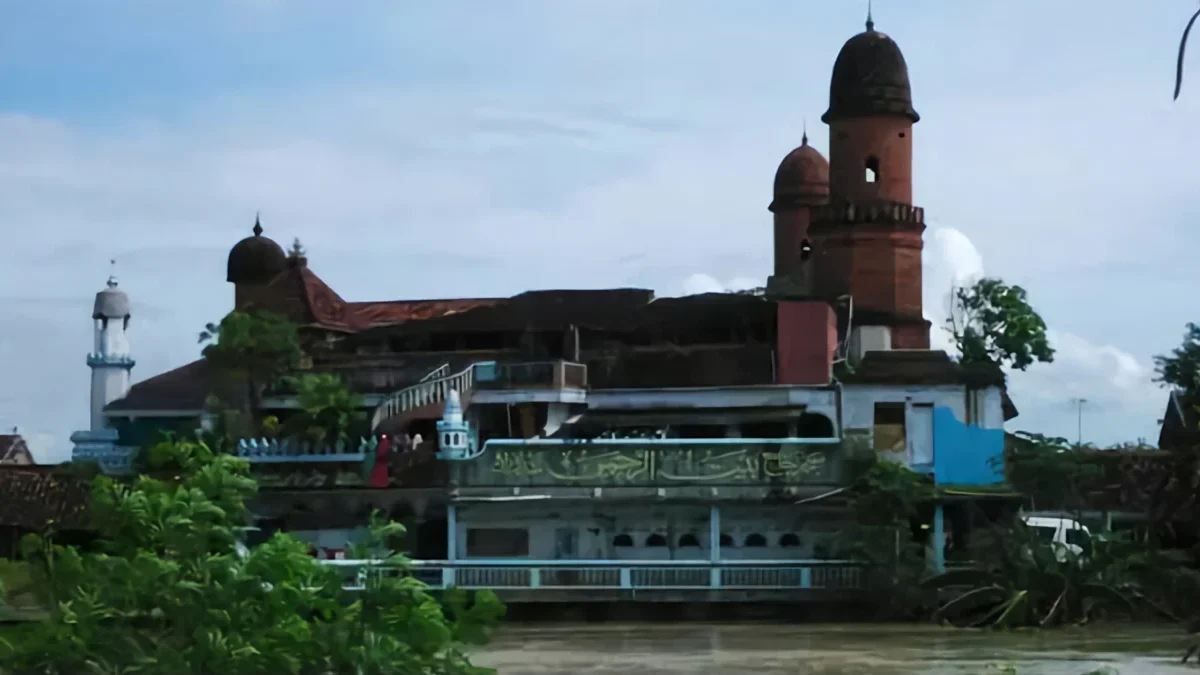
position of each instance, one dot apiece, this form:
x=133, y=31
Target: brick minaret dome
x=868, y=240
x=801, y=184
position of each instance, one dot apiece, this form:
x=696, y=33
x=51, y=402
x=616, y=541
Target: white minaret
x=110, y=359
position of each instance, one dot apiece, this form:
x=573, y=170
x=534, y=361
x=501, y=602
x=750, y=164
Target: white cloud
x=706, y=283
x=1113, y=382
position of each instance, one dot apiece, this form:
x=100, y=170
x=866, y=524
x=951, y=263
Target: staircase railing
x=441, y=371
x=426, y=392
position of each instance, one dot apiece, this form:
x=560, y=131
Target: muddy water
x=706, y=649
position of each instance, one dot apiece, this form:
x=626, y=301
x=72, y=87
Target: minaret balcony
x=95, y=360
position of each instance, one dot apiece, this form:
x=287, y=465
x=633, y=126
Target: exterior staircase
x=433, y=389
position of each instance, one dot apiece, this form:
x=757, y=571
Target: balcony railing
x=530, y=375
x=288, y=451
x=633, y=575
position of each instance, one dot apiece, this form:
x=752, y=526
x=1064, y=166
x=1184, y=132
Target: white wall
x=858, y=403
x=598, y=524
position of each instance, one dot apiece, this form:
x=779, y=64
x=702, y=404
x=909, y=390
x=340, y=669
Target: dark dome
x=802, y=178
x=255, y=259
x=870, y=77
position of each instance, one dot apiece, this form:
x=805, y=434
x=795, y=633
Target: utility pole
x=1079, y=420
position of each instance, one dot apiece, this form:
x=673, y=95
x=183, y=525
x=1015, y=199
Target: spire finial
x=870, y=21
x=257, y=225
x=804, y=133
x=112, y=273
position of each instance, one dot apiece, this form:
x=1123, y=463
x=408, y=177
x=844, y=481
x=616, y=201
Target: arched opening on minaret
x=872, y=169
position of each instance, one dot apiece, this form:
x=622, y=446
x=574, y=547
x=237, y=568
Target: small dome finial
x=804, y=133
x=257, y=225
x=870, y=21
x=112, y=273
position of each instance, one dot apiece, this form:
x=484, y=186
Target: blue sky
x=437, y=149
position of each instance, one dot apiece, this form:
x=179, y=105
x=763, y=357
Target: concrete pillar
x=939, y=540
x=714, y=545
x=451, y=532
x=449, y=573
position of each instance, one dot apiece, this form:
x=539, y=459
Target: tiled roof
x=184, y=388
x=303, y=297
x=34, y=498
x=14, y=451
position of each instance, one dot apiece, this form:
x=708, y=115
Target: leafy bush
x=169, y=593
x=1030, y=582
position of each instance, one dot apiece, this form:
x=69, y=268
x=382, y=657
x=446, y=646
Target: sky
x=481, y=148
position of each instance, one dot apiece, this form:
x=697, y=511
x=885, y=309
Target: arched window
x=656, y=540
x=789, y=540
x=872, y=169
x=755, y=540
x=688, y=539
x=726, y=541
x=622, y=540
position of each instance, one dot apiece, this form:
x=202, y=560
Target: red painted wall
x=805, y=342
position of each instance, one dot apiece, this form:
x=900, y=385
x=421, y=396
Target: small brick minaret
x=867, y=242
x=801, y=185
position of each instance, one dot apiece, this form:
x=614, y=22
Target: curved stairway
x=433, y=389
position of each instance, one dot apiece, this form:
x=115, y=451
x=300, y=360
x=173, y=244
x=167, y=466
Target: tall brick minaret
x=867, y=242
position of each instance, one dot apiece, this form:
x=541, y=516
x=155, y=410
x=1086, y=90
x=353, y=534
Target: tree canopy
x=254, y=349
x=1181, y=368
x=993, y=322
x=171, y=591
x=329, y=411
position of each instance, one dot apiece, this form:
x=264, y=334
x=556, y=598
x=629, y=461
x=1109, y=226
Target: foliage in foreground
x=886, y=499
x=1031, y=582
x=169, y=593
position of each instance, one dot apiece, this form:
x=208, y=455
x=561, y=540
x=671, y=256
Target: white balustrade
x=432, y=389
x=677, y=575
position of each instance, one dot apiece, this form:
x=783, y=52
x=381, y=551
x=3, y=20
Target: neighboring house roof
x=14, y=451
x=34, y=498
x=185, y=389
x=1180, y=426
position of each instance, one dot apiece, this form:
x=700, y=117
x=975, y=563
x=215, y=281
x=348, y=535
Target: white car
x=1064, y=534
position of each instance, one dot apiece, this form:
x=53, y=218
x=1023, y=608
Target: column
x=448, y=576
x=714, y=545
x=939, y=540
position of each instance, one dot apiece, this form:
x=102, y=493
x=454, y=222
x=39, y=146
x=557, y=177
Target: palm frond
x=1182, y=48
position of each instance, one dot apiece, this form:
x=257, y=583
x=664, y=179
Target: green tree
x=329, y=411
x=992, y=322
x=172, y=592
x=1049, y=470
x=252, y=350
x=886, y=500
x=1181, y=368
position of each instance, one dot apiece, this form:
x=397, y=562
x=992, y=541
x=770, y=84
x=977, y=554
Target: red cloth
x=379, y=472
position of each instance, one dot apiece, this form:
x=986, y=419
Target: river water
x=872, y=649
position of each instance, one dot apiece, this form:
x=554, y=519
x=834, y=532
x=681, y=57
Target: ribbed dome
x=802, y=178
x=255, y=259
x=870, y=77
x=111, y=303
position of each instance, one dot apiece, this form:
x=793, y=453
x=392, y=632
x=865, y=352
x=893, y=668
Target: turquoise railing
x=631, y=575
x=273, y=450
